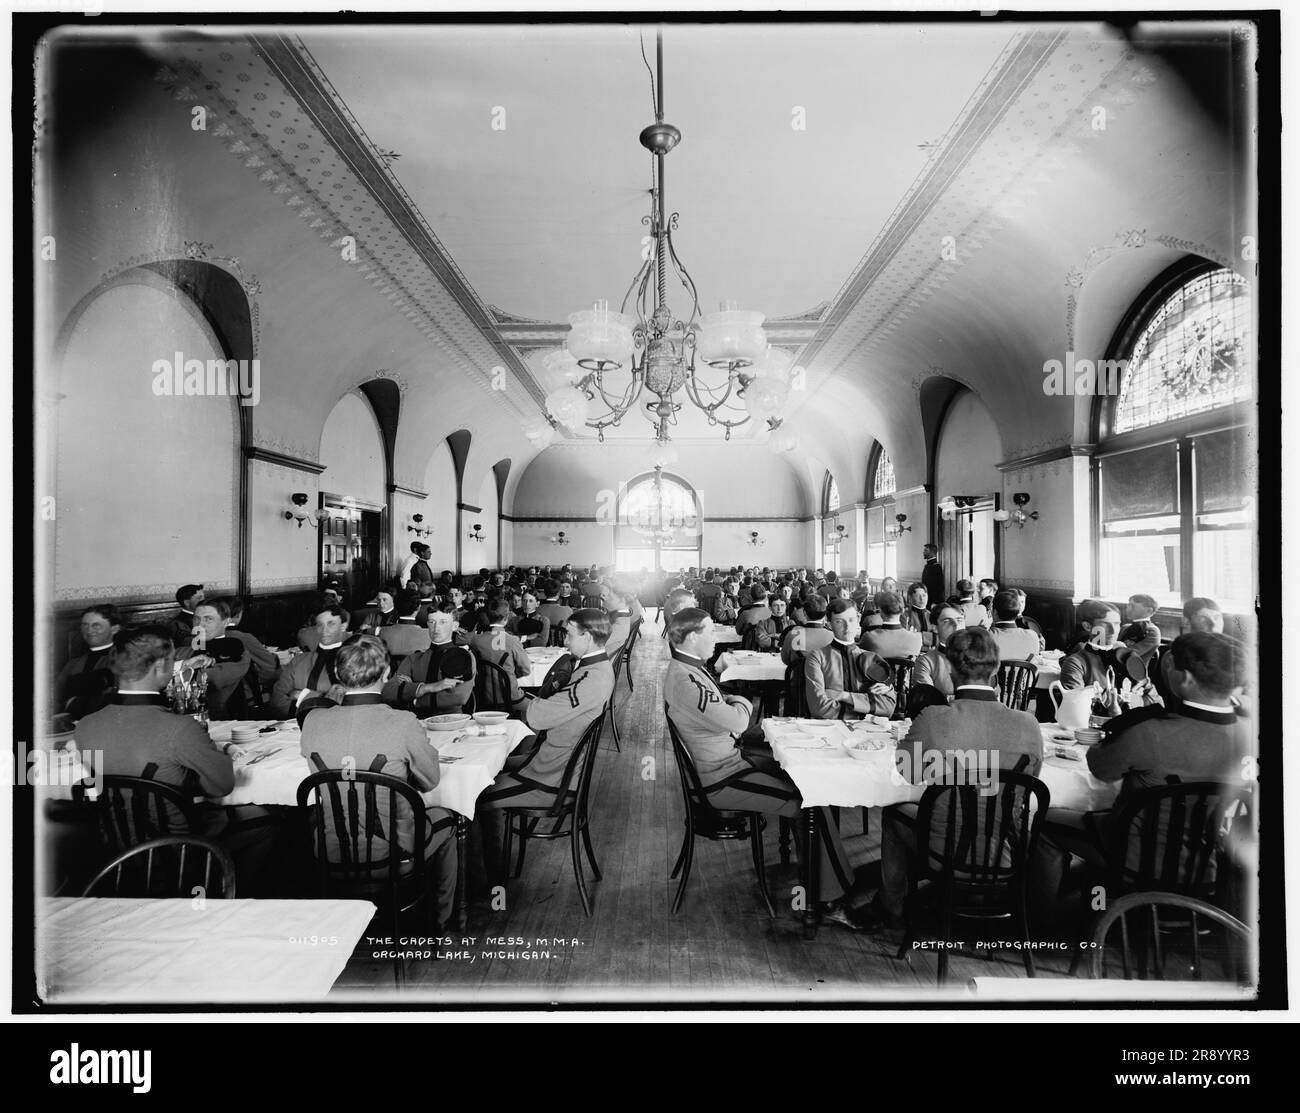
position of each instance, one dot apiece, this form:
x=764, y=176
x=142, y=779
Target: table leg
x=462, y=874
x=808, y=866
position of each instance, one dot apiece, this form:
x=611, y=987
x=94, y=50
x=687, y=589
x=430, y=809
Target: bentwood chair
x=135, y=810
x=175, y=866
x=901, y=669
x=796, y=692
x=1016, y=683
x=493, y=688
x=355, y=842
x=707, y=822
x=626, y=651
x=620, y=659
x=972, y=853
x=1172, y=937
x=567, y=816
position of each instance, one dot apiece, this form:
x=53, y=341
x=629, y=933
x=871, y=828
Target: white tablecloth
x=726, y=635
x=93, y=950
x=826, y=775
x=542, y=658
x=748, y=664
x=275, y=778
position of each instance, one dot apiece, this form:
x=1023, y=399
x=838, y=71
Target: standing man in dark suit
x=932, y=575
x=975, y=723
x=421, y=575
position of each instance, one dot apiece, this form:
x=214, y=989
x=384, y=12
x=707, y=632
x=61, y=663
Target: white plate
x=446, y=722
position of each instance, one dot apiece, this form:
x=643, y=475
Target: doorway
x=349, y=547
x=969, y=543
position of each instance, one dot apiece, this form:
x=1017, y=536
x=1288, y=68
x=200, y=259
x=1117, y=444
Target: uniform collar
x=1224, y=716
x=591, y=659
x=361, y=699
x=975, y=692
x=140, y=699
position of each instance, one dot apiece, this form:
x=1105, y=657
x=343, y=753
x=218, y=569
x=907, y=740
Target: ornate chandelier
x=661, y=350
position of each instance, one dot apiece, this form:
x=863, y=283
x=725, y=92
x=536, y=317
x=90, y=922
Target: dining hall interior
x=474, y=565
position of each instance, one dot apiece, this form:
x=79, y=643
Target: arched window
x=1176, y=468
x=831, y=495
x=883, y=482
x=658, y=526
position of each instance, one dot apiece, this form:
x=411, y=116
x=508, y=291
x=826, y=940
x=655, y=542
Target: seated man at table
x=85, y=683
x=1202, y=615
x=407, y=635
x=265, y=664
x=916, y=615
x=843, y=680
x=890, y=638
x=551, y=609
x=311, y=675
x=812, y=633
x=932, y=676
x=1091, y=660
x=964, y=601
x=1014, y=642
x=1200, y=738
x=502, y=648
x=710, y=723
x=1138, y=641
x=967, y=742
x=532, y=774
x=764, y=634
x=754, y=611
x=438, y=680
x=530, y=626
x=222, y=658
x=363, y=734
x=375, y=616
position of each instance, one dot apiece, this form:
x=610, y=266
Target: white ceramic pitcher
x=1073, y=707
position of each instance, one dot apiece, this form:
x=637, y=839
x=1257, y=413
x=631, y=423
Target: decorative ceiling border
x=292, y=63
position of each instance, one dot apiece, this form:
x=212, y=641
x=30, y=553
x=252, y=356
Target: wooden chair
x=626, y=652
x=1016, y=684
x=708, y=822
x=494, y=688
x=369, y=862
x=973, y=848
x=135, y=810
x=570, y=806
x=610, y=713
x=796, y=692
x=901, y=668
x=1166, y=942
x=188, y=863
x=558, y=634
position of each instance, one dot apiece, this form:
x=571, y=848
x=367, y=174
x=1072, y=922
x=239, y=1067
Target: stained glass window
x=1194, y=355
x=884, y=483
x=832, y=494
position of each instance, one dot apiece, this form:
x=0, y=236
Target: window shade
x=1140, y=484
x=1225, y=470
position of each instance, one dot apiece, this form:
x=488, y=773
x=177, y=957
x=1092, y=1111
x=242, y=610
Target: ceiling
x=939, y=214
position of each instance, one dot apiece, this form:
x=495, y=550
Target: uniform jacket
x=505, y=650
x=824, y=671
x=564, y=716
x=438, y=662
x=932, y=579
x=815, y=636
x=404, y=638
x=306, y=670
x=708, y=720
x=1015, y=643
x=932, y=668
x=891, y=641
x=86, y=683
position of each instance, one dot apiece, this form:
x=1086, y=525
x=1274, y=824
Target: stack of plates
x=1087, y=736
x=244, y=735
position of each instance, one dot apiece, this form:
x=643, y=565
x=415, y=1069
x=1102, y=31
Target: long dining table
x=813, y=752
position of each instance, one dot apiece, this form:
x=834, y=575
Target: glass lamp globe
x=782, y=441
x=561, y=362
x=568, y=405
x=731, y=336
x=601, y=336
x=765, y=398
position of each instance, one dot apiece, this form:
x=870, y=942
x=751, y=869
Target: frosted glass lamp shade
x=568, y=405
x=782, y=441
x=601, y=336
x=731, y=336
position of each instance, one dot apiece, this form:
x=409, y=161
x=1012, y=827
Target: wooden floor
x=721, y=946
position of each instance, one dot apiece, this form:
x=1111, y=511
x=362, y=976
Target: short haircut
x=106, y=611
x=185, y=591
x=830, y=576
x=950, y=614
x=445, y=607
x=335, y=610
x=965, y=587
x=973, y=654
x=1200, y=603
x=137, y=649
x=676, y=596
x=550, y=588
x=236, y=608
x=814, y=605
x=686, y=622
x=1094, y=610
x=1143, y=600
x=409, y=601
x=1007, y=604
x=220, y=606
x=416, y=546
x=933, y=549
x=839, y=607
x=593, y=621
x=757, y=594
x=361, y=661
x=498, y=610
x=890, y=603
x=913, y=588
x=1215, y=661
x=988, y=580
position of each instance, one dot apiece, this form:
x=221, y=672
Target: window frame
x=1181, y=432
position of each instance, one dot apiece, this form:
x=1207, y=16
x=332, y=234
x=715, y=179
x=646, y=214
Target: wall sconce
x=299, y=513
x=840, y=531
x=559, y=539
x=418, y=527
x=476, y=532
x=1018, y=515
x=754, y=539
x=950, y=505
x=898, y=530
